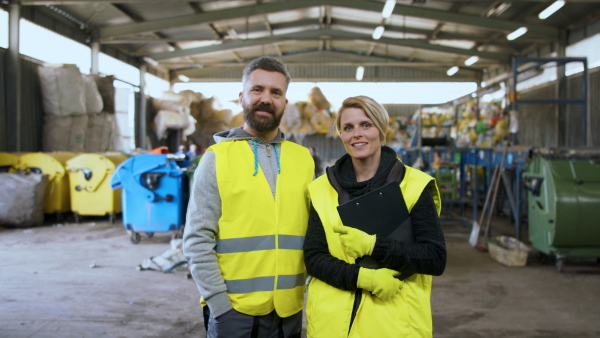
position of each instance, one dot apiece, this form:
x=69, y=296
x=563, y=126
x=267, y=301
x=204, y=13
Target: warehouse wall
x=539, y=125
x=32, y=113
x=3, y=112
x=32, y=110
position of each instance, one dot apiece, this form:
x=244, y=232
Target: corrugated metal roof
x=422, y=39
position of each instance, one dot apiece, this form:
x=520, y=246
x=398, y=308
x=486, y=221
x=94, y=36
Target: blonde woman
x=345, y=299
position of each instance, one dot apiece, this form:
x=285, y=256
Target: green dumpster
x=563, y=197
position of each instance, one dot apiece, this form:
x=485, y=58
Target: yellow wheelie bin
x=89, y=180
x=8, y=162
x=58, y=197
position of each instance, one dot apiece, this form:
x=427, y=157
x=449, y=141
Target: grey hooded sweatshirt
x=204, y=212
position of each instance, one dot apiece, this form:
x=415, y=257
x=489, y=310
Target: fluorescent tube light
x=183, y=78
x=471, y=60
x=388, y=8
x=551, y=9
x=452, y=71
x=517, y=33
x=233, y=34
x=150, y=61
x=360, y=71
x=378, y=32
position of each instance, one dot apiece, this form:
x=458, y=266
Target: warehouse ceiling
x=324, y=40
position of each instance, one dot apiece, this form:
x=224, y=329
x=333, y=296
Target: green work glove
x=380, y=282
x=358, y=243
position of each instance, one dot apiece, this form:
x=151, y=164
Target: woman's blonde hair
x=372, y=109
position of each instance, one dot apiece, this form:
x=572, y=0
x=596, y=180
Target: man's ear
x=241, y=97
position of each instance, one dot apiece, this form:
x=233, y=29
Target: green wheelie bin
x=563, y=201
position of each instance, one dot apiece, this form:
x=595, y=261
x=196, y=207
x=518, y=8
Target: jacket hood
x=240, y=134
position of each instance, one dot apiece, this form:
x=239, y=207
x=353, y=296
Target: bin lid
x=91, y=169
x=586, y=170
x=8, y=159
x=50, y=163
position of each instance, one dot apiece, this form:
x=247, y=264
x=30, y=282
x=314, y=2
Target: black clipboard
x=380, y=212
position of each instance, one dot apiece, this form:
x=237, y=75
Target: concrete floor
x=49, y=287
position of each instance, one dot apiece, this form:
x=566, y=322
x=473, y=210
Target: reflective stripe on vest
x=328, y=309
x=260, y=238
x=264, y=283
x=246, y=244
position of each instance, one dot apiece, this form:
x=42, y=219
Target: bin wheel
x=135, y=237
x=560, y=264
x=77, y=218
x=542, y=258
x=149, y=234
x=111, y=218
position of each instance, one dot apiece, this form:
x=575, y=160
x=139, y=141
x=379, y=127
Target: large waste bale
x=65, y=133
x=63, y=91
x=22, y=198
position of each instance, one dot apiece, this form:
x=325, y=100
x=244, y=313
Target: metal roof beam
x=445, y=16
x=328, y=34
x=205, y=18
x=266, y=8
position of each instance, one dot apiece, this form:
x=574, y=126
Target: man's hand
x=380, y=282
x=358, y=243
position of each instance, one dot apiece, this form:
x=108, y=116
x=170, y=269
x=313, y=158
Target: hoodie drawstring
x=256, y=157
x=277, y=158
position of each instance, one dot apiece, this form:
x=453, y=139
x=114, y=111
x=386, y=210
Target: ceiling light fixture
x=233, y=34
x=470, y=61
x=378, y=32
x=150, y=61
x=517, y=33
x=388, y=8
x=360, y=71
x=452, y=71
x=183, y=78
x=551, y=9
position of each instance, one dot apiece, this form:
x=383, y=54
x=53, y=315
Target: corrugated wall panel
x=339, y=73
x=536, y=120
x=594, y=106
x=3, y=111
x=575, y=127
x=401, y=109
x=329, y=148
x=32, y=118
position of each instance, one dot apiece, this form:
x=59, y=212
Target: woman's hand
x=358, y=243
x=381, y=282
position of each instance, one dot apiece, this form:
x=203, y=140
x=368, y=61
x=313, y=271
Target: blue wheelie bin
x=155, y=194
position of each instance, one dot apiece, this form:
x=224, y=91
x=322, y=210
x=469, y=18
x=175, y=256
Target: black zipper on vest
x=357, y=298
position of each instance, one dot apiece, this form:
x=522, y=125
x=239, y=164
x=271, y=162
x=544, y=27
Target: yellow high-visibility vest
x=329, y=309
x=260, y=239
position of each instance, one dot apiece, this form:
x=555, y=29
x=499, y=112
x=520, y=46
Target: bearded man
x=247, y=217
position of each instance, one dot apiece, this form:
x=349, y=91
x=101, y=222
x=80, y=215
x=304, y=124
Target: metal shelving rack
x=537, y=62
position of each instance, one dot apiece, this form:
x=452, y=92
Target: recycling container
x=563, y=197
x=446, y=179
x=89, y=181
x=57, y=195
x=192, y=169
x=155, y=194
x=8, y=162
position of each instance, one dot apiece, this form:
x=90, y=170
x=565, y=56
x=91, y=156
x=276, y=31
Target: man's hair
x=269, y=64
x=375, y=111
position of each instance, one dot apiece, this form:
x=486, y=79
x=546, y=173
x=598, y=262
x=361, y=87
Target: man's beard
x=259, y=123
